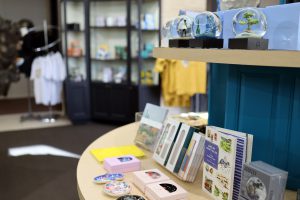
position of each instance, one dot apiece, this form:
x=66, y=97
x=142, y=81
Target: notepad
x=102, y=153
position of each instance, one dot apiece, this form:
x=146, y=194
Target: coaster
x=131, y=197
x=105, y=178
x=116, y=188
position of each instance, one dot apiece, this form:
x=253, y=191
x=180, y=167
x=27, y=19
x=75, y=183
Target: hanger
x=45, y=29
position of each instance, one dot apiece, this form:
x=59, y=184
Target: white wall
x=35, y=10
x=170, y=8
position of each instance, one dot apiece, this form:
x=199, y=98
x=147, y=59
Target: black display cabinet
x=76, y=51
x=101, y=94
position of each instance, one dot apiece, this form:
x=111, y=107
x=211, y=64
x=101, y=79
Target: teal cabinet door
x=265, y=102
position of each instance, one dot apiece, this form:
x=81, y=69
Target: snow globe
x=249, y=27
x=206, y=31
x=180, y=31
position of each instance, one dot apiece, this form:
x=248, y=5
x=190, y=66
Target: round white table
x=88, y=167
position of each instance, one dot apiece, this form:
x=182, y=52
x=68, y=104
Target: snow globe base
x=179, y=43
x=248, y=43
x=206, y=43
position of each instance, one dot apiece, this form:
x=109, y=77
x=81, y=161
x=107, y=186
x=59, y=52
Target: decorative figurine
x=180, y=31
x=249, y=26
x=206, y=30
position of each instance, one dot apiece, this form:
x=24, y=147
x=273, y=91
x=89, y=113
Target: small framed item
x=143, y=178
x=105, y=178
x=122, y=164
x=131, y=197
x=117, y=188
x=165, y=190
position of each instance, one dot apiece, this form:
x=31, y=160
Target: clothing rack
x=50, y=117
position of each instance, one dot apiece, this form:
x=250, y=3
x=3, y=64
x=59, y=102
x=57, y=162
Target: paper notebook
x=102, y=153
x=225, y=152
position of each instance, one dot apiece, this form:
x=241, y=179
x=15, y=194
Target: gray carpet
x=44, y=177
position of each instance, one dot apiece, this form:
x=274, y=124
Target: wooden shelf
x=272, y=58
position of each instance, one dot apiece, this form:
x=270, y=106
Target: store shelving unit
x=77, y=92
x=255, y=92
x=110, y=99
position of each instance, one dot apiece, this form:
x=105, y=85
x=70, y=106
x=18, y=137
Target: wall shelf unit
x=256, y=92
x=272, y=58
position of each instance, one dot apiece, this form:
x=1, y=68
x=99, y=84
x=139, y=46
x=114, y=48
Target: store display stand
x=49, y=117
x=30, y=114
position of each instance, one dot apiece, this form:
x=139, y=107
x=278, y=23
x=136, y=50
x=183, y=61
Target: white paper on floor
x=40, y=149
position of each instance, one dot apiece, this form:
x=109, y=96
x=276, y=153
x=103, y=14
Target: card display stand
x=206, y=43
x=248, y=43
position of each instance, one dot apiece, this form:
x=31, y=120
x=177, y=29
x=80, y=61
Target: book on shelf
x=150, y=126
x=225, y=152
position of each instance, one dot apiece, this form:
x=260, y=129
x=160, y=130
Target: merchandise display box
x=248, y=43
x=142, y=178
x=122, y=164
x=206, y=43
x=262, y=181
x=165, y=190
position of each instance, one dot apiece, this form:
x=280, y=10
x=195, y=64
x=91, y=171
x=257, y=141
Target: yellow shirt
x=180, y=81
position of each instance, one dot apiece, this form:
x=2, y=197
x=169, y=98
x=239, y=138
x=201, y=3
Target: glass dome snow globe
x=206, y=25
x=249, y=23
x=182, y=27
x=166, y=30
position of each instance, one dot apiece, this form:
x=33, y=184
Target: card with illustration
x=167, y=138
x=219, y=156
x=150, y=126
x=225, y=153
